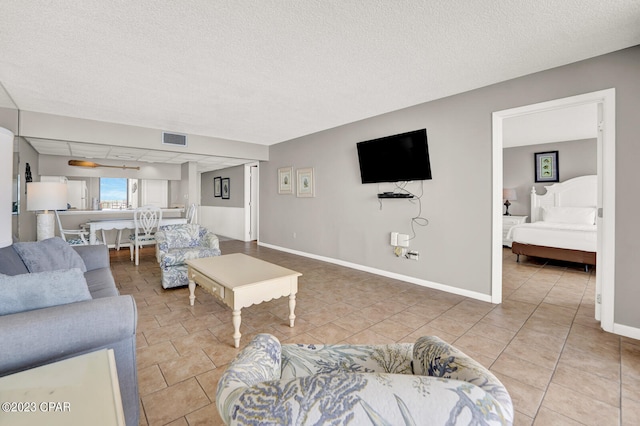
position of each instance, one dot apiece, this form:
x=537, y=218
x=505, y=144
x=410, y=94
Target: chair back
x=191, y=214
x=146, y=220
x=78, y=236
x=60, y=225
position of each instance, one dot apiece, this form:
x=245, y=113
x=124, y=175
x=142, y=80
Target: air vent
x=174, y=139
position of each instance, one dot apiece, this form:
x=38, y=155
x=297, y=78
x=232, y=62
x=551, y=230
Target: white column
x=6, y=170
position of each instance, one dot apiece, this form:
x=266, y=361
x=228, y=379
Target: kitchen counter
x=70, y=212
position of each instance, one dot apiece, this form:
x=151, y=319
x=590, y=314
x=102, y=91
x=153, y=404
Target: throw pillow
x=26, y=292
x=49, y=255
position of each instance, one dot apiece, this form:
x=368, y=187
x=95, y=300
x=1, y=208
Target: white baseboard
x=413, y=280
x=627, y=331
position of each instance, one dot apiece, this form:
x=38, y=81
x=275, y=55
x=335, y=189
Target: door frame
x=605, y=271
x=251, y=200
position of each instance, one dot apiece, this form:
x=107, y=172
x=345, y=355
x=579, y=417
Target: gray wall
x=344, y=220
x=236, y=194
x=575, y=158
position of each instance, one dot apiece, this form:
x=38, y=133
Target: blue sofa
x=107, y=320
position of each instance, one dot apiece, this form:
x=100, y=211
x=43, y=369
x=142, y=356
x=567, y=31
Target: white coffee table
x=241, y=281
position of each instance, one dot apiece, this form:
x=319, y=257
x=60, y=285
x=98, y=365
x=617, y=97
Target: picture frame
x=547, y=167
x=285, y=180
x=217, y=186
x=226, y=188
x=305, y=185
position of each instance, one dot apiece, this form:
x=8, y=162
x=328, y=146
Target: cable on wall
x=418, y=219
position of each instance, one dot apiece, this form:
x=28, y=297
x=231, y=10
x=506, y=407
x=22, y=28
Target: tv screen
x=395, y=158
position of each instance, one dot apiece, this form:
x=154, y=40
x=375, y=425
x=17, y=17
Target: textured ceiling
x=271, y=70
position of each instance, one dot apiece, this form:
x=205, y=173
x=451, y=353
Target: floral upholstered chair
x=175, y=244
x=429, y=382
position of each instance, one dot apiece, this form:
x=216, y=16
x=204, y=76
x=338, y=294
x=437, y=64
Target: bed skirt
x=577, y=256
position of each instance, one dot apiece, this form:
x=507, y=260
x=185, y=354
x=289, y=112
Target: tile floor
x=542, y=342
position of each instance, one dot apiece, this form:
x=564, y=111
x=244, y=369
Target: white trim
x=605, y=272
x=626, y=331
x=424, y=283
x=247, y=203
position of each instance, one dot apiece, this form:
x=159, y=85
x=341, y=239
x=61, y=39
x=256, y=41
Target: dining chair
x=146, y=220
x=75, y=237
x=192, y=214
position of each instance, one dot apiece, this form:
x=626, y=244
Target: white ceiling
x=270, y=70
x=127, y=155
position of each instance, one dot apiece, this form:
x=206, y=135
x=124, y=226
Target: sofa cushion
x=100, y=283
x=10, y=262
x=27, y=292
x=49, y=255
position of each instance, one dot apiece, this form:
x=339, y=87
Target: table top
x=238, y=270
x=81, y=390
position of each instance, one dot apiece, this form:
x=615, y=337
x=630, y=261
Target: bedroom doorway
x=604, y=100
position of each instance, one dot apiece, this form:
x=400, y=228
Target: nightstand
x=507, y=223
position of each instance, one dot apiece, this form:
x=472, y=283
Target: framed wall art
x=285, y=180
x=217, y=187
x=547, y=169
x=226, y=190
x=305, y=182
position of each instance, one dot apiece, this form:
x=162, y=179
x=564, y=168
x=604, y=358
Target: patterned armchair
x=175, y=244
x=429, y=382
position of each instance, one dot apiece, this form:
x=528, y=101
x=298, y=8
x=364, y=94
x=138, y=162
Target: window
x=113, y=193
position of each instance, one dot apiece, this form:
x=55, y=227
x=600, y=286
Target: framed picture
x=305, y=184
x=285, y=180
x=217, y=187
x=547, y=166
x=226, y=190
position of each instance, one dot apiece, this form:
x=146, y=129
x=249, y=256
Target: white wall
x=223, y=221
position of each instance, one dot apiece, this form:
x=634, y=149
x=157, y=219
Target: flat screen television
x=396, y=158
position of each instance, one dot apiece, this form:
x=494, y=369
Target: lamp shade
x=509, y=194
x=46, y=196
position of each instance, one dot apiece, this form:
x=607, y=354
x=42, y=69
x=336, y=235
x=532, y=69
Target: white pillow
x=581, y=215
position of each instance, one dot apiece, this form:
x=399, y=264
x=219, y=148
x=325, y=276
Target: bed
x=563, y=223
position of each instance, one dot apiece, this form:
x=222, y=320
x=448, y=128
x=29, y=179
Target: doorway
x=605, y=271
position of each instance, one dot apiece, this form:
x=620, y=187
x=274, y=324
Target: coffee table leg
x=292, y=308
x=192, y=289
x=236, y=319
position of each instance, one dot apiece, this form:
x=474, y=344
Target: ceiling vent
x=174, y=139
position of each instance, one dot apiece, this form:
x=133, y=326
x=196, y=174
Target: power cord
x=416, y=220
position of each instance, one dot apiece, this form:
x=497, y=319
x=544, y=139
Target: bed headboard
x=577, y=192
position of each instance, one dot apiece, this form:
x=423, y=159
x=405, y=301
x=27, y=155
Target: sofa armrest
x=259, y=361
x=42, y=336
x=435, y=357
x=94, y=256
x=211, y=240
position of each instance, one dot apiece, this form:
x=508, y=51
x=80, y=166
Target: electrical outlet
x=413, y=255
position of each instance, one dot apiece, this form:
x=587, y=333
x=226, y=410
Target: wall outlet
x=413, y=255
x=394, y=239
x=403, y=240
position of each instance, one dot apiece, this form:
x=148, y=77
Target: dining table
x=125, y=223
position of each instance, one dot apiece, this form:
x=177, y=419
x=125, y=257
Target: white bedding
x=550, y=234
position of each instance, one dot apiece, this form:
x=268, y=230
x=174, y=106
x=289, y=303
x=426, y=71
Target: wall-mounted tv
x=395, y=158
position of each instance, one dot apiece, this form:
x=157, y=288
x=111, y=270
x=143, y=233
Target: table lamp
x=45, y=196
x=509, y=194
